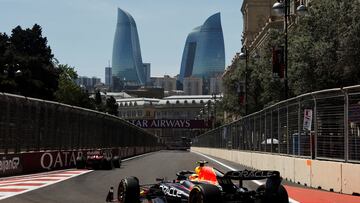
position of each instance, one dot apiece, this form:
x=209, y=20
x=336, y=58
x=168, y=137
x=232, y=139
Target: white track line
x=233, y=169
x=138, y=156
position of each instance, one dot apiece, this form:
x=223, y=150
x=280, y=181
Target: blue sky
x=81, y=32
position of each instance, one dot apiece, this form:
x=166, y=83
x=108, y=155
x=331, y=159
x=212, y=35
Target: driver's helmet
x=204, y=173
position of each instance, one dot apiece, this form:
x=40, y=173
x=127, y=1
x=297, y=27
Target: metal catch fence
x=317, y=125
x=28, y=124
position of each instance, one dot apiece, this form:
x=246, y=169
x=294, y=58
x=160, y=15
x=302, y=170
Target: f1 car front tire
x=129, y=190
x=205, y=193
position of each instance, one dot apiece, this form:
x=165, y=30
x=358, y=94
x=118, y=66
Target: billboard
x=170, y=123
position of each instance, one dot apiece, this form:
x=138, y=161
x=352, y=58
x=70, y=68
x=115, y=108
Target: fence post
x=287, y=130
x=265, y=134
x=299, y=130
x=271, y=131
x=315, y=128
x=279, y=126
x=346, y=125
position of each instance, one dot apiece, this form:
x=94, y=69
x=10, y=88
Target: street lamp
x=282, y=8
x=245, y=56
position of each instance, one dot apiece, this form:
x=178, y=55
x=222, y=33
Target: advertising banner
x=32, y=162
x=170, y=123
x=307, y=119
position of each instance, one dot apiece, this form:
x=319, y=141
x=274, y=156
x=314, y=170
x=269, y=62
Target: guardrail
x=331, y=130
x=31, y=125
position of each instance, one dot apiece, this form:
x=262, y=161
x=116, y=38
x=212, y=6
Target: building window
x=140, y=113
x=147, y=113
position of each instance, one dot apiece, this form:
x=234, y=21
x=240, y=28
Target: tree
x=7, y=76
x=70, y=93
x=324, y=47
x=112, y=106
x=98, y=102
x=262, y=88
x=26, y=62
x=324, y=52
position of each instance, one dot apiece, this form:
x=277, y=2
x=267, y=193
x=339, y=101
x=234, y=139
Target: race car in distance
x=98, y=159
x=201, y=187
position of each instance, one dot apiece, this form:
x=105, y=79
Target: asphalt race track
x=93, y=186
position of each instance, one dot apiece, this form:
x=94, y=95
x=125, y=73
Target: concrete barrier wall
x=302, y=171
x=328, y=175
x=350, y=178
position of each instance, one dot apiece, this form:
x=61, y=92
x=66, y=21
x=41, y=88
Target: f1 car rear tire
x=107, y=164
x=80, y=162
x=129, y=190
x=281, y=195
x=205, y=193
x=116, y=161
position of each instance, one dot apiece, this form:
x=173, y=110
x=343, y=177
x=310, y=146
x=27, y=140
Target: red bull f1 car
x=205, y=186
x=98, y=159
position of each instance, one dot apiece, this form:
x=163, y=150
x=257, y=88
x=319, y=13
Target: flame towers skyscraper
x=127, y=65
x=204, y=52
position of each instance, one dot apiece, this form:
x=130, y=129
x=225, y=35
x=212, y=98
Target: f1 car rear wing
x=251, y=175
x=273, y=177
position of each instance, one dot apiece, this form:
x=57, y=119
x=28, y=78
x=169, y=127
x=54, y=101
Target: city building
x=147, y=72
x=108, y=76
x=167, y=83
x=186, y=107
x=203, y=55
x=127, y=65
x=259, y=19
x=216, y=85
x=87, y=83
x=193, y=86
x=147, y=92
x=188, y=57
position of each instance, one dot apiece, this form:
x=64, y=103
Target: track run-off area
x=92, y=186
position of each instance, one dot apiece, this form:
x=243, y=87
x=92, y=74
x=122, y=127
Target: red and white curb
x=16, y=185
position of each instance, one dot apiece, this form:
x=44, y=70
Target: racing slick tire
x=107, y=164
x=80, y=162
x=129, y=190
x=116, y=161
x=280, y=196
x=205, y=193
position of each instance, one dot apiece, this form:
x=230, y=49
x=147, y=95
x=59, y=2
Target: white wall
x=329, y=175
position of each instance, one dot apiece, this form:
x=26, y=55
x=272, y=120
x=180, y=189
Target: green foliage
x=98, y=102
x=69, y=92
x=26, y=64
x=324, y=52
x=324, y=47
x=112, y=106
x=230, y=101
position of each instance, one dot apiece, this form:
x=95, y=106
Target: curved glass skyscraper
x=127, y=63
x=204, y=52
x=188, y=58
